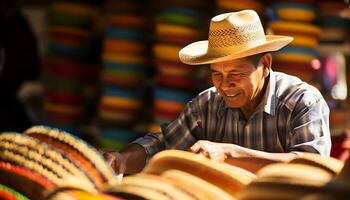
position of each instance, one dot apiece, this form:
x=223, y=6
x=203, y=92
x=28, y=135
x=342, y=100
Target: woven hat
x=231, y=36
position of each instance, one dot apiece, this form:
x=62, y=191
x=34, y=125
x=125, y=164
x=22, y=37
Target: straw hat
x=231, y=36
x=231, y=179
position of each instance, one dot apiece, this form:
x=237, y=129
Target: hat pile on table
x=69, y=68
x=53, y=164
x=125, y=69
x=47, y=163
x=296, y=19
x=43, y=159
x=309, y=176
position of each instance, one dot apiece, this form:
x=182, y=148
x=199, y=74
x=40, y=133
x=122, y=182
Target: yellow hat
x=231, y=36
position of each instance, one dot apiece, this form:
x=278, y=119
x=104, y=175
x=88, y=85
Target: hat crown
x=234, y=31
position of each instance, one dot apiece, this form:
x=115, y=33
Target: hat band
x=227, y=50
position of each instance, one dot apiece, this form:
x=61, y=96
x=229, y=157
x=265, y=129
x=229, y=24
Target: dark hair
x=256, y=58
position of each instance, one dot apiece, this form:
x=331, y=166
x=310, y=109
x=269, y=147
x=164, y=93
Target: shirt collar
x=268, y=100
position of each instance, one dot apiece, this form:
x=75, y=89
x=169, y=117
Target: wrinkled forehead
x=236, y=64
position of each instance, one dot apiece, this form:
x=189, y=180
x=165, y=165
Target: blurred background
x=108, y=71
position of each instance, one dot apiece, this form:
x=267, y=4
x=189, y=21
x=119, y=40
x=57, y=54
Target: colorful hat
x=123, y=46
x=77, y=194
x=15, y=176
x=172, y=94
x=7, y=193
x=241, y=5
x=126, y=20
x=88, y=157
x=295, y=11
x=179, y=19
x=174, y=68
x=43, y=159
x=174, y=81
x=166, y=52
x=295, y=27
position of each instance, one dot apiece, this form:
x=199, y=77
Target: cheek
x=247, y=87
x=215, y=82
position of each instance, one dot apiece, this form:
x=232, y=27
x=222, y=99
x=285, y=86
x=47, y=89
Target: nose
x=226, y=84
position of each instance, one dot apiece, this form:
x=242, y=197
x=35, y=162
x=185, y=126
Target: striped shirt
x=292, y=116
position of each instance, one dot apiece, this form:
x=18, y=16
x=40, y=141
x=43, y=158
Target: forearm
x=134, y=158
x=235, y=151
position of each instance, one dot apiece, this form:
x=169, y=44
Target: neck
x=250, y=107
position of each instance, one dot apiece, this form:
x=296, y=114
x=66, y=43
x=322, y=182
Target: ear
x=266, y=62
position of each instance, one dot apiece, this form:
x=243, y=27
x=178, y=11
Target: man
x=252, y=112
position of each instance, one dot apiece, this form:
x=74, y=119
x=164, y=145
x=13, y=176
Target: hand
x=213, y=150
x=115, y=160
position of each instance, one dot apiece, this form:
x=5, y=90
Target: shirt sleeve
x=310, y=127
x=178, y=134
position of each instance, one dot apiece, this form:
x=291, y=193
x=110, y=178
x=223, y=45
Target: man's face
x=238, y=81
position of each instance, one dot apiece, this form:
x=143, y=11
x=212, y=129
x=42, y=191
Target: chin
x=234, y=104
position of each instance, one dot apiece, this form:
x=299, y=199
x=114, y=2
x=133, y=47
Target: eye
x=216, y=74
x=235, y=76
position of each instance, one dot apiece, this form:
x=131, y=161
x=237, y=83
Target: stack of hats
x=177, y=24
x=125, y=67
x=300, y=58
x=183, y=175
x=172, y=174
x=335, y=28
x=68, y=68
x=168, y=103
x=232, y=6
x=44, y=159
x=334, y=47
x=301, y=177
x=55, y=165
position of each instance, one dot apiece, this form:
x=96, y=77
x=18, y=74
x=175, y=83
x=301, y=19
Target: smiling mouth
x=232, y=95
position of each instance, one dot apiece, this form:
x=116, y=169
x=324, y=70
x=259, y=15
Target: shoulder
x=209, y=93
x=208, y=97
x=293, y=92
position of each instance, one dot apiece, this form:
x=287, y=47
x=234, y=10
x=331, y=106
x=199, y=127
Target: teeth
x=231, y=95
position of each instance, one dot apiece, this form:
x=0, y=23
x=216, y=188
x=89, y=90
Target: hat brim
x=197, y=53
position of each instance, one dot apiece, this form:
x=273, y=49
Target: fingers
x=213, y=155
x=109, y=157
x=115, y=160
x=204, y=153
x=121, y=164
x=213, y=151
x=117, y=163
x=201, y=147
x=217, y=156
x=196, y=147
